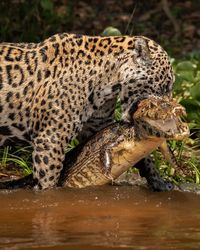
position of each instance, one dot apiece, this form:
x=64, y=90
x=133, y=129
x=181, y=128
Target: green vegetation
x=187, y=92
x=15, y=160
x=33, y=21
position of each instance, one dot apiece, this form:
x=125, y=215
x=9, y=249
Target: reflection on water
x=99, y=218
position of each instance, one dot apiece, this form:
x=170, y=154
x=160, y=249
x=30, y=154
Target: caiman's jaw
x=171, y=128
x=161, y=117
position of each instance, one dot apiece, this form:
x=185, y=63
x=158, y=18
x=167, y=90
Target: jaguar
x=66, y=87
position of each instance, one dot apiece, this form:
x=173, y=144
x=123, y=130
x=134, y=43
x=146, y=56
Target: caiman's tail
x=25, y=182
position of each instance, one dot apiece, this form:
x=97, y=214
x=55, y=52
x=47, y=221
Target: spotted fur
x=66, y=86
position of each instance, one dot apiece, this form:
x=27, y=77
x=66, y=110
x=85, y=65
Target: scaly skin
x=118, y=147
x=115, y=149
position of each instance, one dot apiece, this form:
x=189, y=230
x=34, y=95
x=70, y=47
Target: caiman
x=115, y=149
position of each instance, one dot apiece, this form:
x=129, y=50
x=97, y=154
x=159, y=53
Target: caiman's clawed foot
x=156, y=183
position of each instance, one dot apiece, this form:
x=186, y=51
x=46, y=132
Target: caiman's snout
x=181, y=129
x=162, y=117
x=177, y=129
x=173, y=128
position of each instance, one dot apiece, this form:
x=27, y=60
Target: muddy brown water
x=108, y=217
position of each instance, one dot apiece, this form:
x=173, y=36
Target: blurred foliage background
x=172, y=23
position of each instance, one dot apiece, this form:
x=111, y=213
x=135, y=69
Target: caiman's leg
x=168, y=154
x=147, y=169
x=106, y=155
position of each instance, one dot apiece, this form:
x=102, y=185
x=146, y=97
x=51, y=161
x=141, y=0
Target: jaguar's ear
x=142, y=52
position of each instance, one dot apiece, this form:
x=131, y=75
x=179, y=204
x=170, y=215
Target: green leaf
x=111, y=31
x=47, y=5
x=190, y=103
x=192, y=108
x=186, y=66
x=195, y=92
x=197, y=77
x=118, y=110
x=72, y=145
x=186, y=75
x=178, y=84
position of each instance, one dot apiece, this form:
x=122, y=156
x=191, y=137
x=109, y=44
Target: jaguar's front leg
x=148, y=170
x=100, y=119
x=48, y=156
